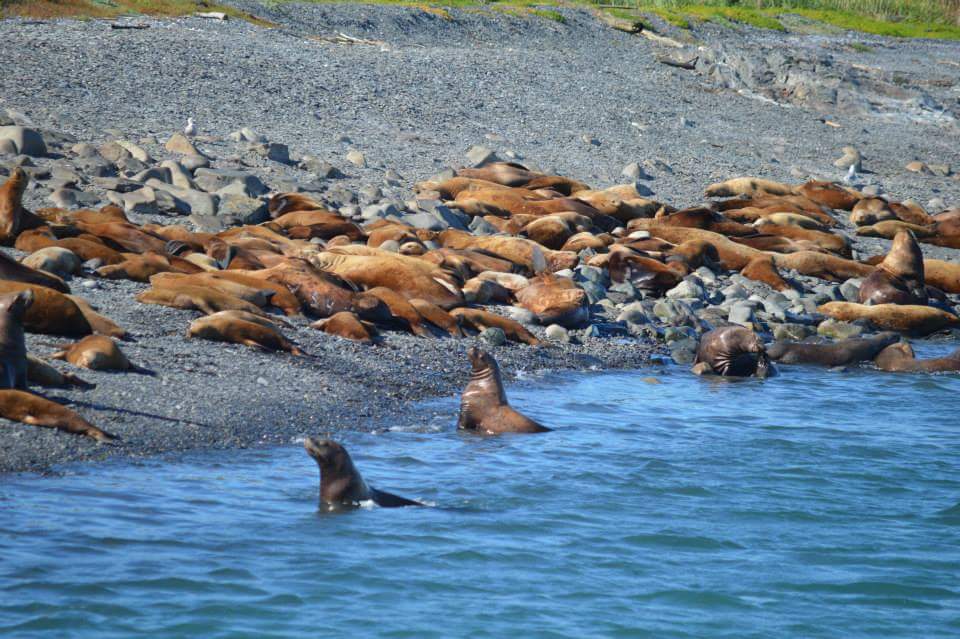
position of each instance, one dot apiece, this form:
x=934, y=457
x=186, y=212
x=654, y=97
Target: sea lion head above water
x=484, y=407
x=341, y=484
x=733, y=351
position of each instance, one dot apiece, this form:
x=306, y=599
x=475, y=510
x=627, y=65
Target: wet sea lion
x=842, y=353
x=903, y=318
x=235, y=327
x=732, y=351
x=898, y=279
x=13, y=349
x=901, y=358
x=27, y=408
x=341, y=484
x=98, y=353
x=484, y=407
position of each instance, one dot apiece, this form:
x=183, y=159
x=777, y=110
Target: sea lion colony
x=545, y=232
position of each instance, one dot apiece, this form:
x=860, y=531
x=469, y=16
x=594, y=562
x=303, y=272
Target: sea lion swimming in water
x=842, y=353
x=484, y=407
x=733, y=351
x=341, y=484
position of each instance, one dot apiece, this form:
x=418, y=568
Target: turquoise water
x=814, y=504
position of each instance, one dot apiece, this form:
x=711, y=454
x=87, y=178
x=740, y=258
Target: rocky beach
x=352, y=105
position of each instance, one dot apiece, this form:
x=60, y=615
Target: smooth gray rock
x=742, y=313
x=193, y=162
x=493, y=337
x=791, y=332
x=153, y=173
x=356, y=158
x=480, y=226
x=478, y=155
x=557, y=333
x=246, y=209
x=850, y=290
x=321, y=168
x=272, y=151
x=179, y=176
x=213, y=180
x=835, y=329
x=26, y=141
x=137, y=152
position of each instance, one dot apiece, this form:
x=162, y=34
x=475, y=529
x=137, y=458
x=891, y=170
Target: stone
x=851, y=157
x=138, y=153
x=589, y=139
x=213, y=180
x=634, y=172
x=272, y=151
x=143, y=201
x=677, y=333
x=451, y=217
x=936, y=204
x=247, y=134
x=642, y=189
x=181, y=145
x=84, y=150
x=633, y=313
x=246, y=209
x=321, y=168
x=179, y=176
x=478, y=155
x=54, y=259
x=130, y=165
x=113, y=152
x=424, y=220
x=918, y=167
x=188, y=201
x=7, y=147
x=942, y=170
x=684, y=351
x=835, y=329
x=791, y=332
x=121, y=185
x=557, y=333
x=193, y=162
x=622, y=293
x=356, y=158
x=153, y=173
x=26, y=141
x=522, y=315
x=586, y=273
x=379, y=211
x=689, y=288
x=595, y=292
x=850, y=290
x=209, y=223
x=742, y=313
x=871, y=190
x=659, y=165
x=493, y=337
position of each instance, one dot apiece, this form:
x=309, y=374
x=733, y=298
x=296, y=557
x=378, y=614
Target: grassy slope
x=898, y=18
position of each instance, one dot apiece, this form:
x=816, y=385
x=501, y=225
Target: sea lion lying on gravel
x=43, y=374
x=480, y=320
x=483, y=405
x=732, y=351
x=341, y=485
x=244, y=328
x=348, y=326
x=842, y=353
x=901, y=358
x=98, y=353
x=27, y=408
x=14, y=271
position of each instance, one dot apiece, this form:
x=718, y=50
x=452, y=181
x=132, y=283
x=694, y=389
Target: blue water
x=815, y=504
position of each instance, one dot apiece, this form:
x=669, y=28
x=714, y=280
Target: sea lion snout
x=319, y=449
x=478, y=358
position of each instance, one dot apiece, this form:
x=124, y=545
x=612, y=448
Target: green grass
x=861, y=47
x=897, y=18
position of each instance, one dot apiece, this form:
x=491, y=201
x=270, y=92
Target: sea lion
x=484, y=407
x=898, y=279
x=13, y=349
x=14, y=219
x=14, y=271
x=480, y=320
x=54, y=260
x=196, y=298
x=51, y=312
x=762, y=269
x=98, y=353
x=341, y=485
x=903, y=318
x=438, y=317
x=27, y=408
x=842, y=353
x=733, y=351
x=43, y=374
x=555, y=300
x=99, y=324
x=748, y=186
x=235, y=327
x=831, y=195
x=901, y=358
x=348, y=326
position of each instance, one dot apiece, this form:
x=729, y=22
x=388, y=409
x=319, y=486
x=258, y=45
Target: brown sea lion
x=903, y=318
x=196, y=298
x=942, y=274
x=555, y=300
x=14, y=271
x=53, y=260
x=404, y=315
x=341, y=485
x=483, y=405
x=525, y=253
x=842, y=353
x=437, y=317
x=889, y=229
x=99, y=324
x=83, y=247
x=898, y=279
x=642, y=271
x=348, y=326
x=830, y=195
x=871, y=210
x=43, y=374
x=230, y=326
x=762, y=269
x=480, y=320
x=98, y=353
x=732, y=351
x=13, y=348
x=14, y=219
x=480, y=291
x=51, y=312
x=748, y=186
x=27, y=408
x=901, y=358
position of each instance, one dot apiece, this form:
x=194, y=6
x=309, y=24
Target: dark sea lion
x=98, y=353
x=341, y=484
x=842, y=353
x=899, y=278
x=27, y=408
x=733, y=351
x=901, y=358
x=484, y=407
x=13, y=348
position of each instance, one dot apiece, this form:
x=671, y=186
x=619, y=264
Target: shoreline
x=583, y=115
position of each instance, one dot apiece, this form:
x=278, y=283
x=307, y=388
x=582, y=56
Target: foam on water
x=814, y=504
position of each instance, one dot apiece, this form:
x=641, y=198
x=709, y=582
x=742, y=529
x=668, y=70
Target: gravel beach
x=574, y=98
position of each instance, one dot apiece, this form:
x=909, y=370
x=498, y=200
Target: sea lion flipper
x=388, y=500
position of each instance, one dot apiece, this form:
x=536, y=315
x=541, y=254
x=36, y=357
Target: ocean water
x=814, y=504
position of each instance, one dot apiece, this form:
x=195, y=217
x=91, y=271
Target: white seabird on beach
x=851, y=175
x=191, y=129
